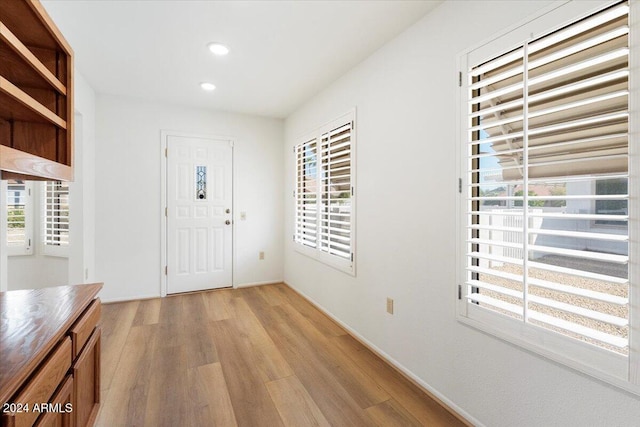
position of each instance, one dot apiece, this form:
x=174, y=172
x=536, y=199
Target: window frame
x=342, y=264
x=615, y=369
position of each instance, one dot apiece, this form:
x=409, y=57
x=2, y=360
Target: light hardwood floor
x=260, y=356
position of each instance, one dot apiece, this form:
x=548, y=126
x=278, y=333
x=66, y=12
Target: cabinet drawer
x=82, y=329
x=62, y=407
x=41, y=386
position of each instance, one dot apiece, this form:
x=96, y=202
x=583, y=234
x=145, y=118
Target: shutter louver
x=547, y=239
x=56, y=218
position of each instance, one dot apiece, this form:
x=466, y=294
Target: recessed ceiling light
x=218, y=49
x=207, y=86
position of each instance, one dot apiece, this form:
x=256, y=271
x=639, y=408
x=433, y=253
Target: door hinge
x=166, y=211
x=166, y=270
x=29, y=244
x=352, y=191
x=166, y=152
x=459, y=185
x=29, y=192
x=459, y=78
x=351, y=256
x=351, y=124
x=459, y=291
x=293, y=237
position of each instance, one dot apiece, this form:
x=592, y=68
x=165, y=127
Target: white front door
x=199, y=220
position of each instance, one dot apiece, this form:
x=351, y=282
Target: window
x=23, y=213
x=609, y=207
x=19, y=218
x=546, y=207
x=55, y=235
x=325, y=196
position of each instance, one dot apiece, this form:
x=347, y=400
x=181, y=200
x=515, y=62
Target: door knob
x=228, y=211
x=227, y=222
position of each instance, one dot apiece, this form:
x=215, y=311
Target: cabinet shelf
x=36, y=94
x=16, y=105
x=22, y=66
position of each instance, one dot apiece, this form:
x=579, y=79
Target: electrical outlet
x=261, y=255
x=389, y=305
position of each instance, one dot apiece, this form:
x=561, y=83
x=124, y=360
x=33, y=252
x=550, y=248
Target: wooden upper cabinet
x=36, y=95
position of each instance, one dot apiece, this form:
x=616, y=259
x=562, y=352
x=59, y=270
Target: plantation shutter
x=335, y=219
x=306, y=193
x=56, y=218
x=547, y=239
x=325, y=194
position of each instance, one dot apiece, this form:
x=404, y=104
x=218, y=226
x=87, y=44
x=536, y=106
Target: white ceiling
x=282, y=52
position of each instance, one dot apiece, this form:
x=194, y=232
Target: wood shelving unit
x=36, y=95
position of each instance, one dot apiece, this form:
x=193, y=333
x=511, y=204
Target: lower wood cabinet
x=28, y=404
x=57, y=383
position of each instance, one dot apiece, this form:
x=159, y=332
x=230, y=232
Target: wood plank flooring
x=261, y=356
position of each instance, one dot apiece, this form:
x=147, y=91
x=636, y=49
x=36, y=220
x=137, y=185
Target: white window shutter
x=306, y=230
x=547, y=238
x=55, y=234
x=335, y=217
x=325, y=194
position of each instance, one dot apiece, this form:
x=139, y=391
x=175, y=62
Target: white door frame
x=164, y=136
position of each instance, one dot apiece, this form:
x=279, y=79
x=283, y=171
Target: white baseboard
x=126, y=299
x=267, y=282
x=383, y=355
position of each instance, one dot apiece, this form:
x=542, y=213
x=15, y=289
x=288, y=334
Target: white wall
x=36, y=271
x=128, y=211
x=82, y=190
x=406, y=98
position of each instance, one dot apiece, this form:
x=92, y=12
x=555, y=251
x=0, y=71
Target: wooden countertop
x=31, y=324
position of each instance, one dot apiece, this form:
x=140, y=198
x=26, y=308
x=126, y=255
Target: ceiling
x=282, y=52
